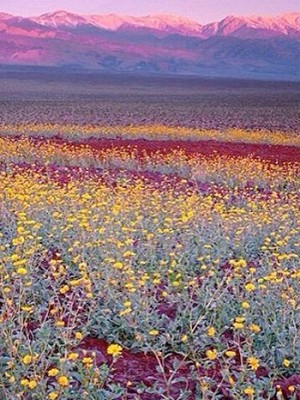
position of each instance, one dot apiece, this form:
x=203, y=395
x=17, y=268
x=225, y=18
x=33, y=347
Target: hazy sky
x=201, y=10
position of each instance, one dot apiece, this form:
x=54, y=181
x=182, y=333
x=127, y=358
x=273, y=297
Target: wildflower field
x=138, y=269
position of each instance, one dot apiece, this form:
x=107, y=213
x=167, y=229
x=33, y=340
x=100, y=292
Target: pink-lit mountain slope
x=112, y=22
x=235, y=46
x=241, y=27
x=286, y=25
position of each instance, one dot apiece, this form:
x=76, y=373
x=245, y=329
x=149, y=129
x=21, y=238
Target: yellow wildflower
x=78, y=335
x=211, y=331
x=230, y=353
x=184, y=338
x=87, y=360
x=63, y=381
x=27, y=359
x=53, y=372
x=114, y=350
x=249, y=391
x=22, y=271
x=250, y=287
x=153, y=332
x=73, y=356
x=245, y=305
x=53, y=395
x=286, y=363
x=211, y=354
x=255, y=328
x=32, y=384
x=253, y=362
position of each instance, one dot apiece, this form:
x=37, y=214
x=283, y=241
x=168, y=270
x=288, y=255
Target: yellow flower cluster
x=151, y=132
x=210, y=271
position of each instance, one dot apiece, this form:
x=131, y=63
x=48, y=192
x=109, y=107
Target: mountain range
x=256, y=46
